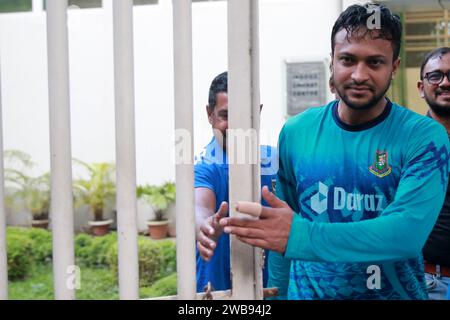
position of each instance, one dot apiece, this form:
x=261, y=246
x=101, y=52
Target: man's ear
x=420, y=88
x=395, y=67
x=331, y=62
x=209, y=112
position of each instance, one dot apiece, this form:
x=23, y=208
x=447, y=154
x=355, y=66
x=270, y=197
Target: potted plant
x=26, y=191
x=95, y=191
x=159, y=197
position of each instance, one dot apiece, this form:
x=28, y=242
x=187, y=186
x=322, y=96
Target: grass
x=96, y=284
x=163, y=287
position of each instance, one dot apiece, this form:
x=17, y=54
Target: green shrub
x=27, y=246
x=157, y=259
x=150, y=261
x=41, y=241
x=166, y=286
x=169, y=257
x=20, y=255
x=42, y=245
x=83, y=242
x=93, y=251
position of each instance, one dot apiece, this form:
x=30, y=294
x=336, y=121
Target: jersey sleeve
x=286, y=184
x=403, y=226
x=204, y=176
x=279, y=266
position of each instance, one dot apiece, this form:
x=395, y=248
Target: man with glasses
x=434, y=87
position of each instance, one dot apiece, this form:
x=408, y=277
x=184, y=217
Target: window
x=144, y=2
x=15, y=5
x=82, y=4
x=425, y=31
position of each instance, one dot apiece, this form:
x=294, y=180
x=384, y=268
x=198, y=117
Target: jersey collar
x=362, y=126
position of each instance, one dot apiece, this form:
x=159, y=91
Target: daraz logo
x=319, y=201
x=352, y=201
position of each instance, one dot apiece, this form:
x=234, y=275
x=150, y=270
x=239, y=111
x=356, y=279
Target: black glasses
x=436, y=77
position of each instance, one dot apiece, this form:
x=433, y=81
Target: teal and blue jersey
x=211, y=171
x=365, y=199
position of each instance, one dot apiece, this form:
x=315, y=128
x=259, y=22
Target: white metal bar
x=185, y=217
x=256, y=110
x=340, y=6
x=125, y=149
x=107, y=5
x=3, y=248
x=37, y=5
x=60, y=149
x=243, y=99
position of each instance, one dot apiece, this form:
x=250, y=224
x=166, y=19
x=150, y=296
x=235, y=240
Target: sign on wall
x=306, y=85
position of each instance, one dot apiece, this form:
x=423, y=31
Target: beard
x=341, y=91
x=438, y=109
x=221, y=138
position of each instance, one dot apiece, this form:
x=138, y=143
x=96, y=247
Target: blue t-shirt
x=211, y=171
x=366, y=199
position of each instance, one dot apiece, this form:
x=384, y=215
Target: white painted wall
x=288, y=29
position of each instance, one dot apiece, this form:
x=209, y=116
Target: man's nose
x=360, y=73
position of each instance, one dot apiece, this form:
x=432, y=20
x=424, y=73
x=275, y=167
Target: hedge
x=20, y=255
x=28, y=246
x=164, y=287
x=157, y=259
x=93, y=251
x=41, y=242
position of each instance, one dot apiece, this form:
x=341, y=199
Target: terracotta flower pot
x=158, y=229
x=100, y=228
x=42, y=223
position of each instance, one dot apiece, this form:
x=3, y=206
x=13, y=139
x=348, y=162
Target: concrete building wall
x=289, y=29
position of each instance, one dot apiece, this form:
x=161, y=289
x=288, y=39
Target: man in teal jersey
x=360, y=181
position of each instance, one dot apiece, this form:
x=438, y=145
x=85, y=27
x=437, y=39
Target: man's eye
x=346, y=59
x=434, y=76
x=375, y=62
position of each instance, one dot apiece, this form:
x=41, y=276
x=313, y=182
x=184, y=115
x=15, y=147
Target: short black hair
x=354, y=19
x=439, y=52
x=219, y=84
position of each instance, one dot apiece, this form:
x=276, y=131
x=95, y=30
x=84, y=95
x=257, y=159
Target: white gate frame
x=244, y=109
x=3, y=255
x=243, y=55
x=61, y=210
x=125, y=150
x=183, y=89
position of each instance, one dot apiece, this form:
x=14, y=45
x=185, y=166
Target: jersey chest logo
x=380, y=167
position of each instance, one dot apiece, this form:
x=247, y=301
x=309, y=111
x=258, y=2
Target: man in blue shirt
x=434, y=87
x=360, y=181
x=211, y=193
